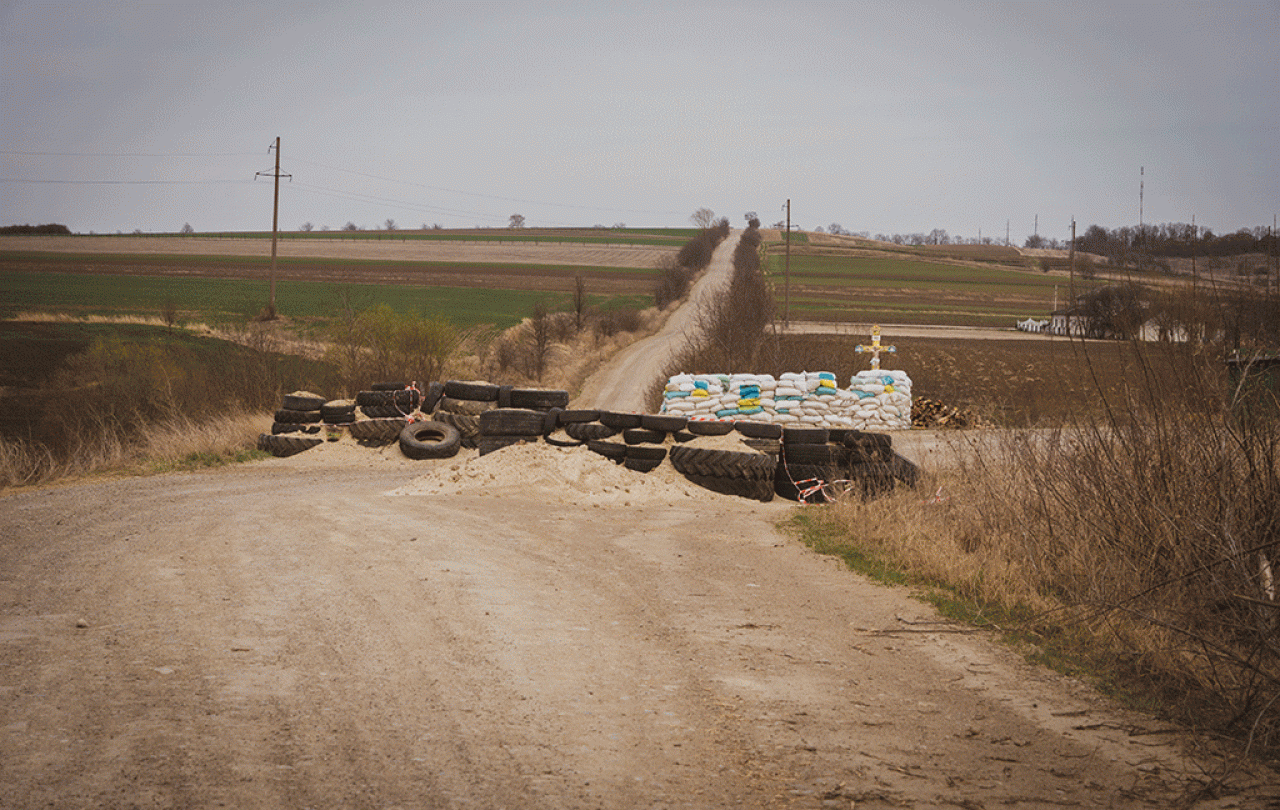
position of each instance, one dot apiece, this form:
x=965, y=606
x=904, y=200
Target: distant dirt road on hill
x=621, y=383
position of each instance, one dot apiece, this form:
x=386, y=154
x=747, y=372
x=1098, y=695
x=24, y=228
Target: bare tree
x=579, y=301
x=187, y=230
x=391, y=224
x=539, y=332
x=350, y=226
x=306, y=227
x=703, y=218
x=516, y=221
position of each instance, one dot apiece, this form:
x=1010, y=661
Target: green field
x=220, y=299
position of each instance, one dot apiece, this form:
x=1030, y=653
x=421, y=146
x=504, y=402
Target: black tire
x=873, y=478
x=376, y=431
x=708, y=428
x=555, y=440
x=643, y=436
x=504, y=396
x=487, y=444
x=389, y=386
x=613, y=451
x=404, y=398
x=771, y=446
x=383, y=411
x=466, y=425
x=805, y=435
x=619, y=421
x=511, y=422
x=551, y=421
x=666, y=423
x=284, y=427
x=793, y=479
x=302, y=402
x=337, y=407
x=473, y=390
x=821, y=455
x=644, y=459
x=864, y=447
x=759, y=430
x=586, y=431
x=282, y=446
x=340, y=418
x=431, y=397
x=646, y=452
x=289, y=416
x=683, y=436
x=689, y=460
x=755, y=489
x=422, y=440
x=539, y=399
x=568, y=417
x=472, y=407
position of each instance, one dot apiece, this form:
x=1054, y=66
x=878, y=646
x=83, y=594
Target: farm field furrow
x=418, y=250
x=843, y=288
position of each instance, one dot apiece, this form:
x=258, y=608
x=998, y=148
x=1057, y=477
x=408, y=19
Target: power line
x=122, y=182
x=128, y=154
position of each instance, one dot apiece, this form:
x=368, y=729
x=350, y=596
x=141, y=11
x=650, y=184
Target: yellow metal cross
x=875, y=348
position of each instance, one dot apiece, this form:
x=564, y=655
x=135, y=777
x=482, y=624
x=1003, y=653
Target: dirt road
x=537, y=628
x=621, y=384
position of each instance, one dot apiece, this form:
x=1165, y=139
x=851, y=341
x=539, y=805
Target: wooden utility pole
x=786, y=276
x=275, y=226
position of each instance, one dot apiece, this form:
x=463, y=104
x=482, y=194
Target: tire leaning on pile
x=423, y=440
x=287, y=444
x=377, y=431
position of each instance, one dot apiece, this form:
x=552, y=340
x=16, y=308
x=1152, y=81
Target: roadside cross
x=875, y=348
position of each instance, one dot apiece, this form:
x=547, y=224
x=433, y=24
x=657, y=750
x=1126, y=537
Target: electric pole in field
x=275, y=224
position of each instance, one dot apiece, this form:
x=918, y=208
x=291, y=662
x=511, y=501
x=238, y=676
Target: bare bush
x=380, y=344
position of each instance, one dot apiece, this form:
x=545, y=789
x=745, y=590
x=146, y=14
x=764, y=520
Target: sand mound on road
x=558, y=474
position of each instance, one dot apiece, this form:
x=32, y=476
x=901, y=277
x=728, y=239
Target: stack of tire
x=518, y=415
x=820, y=465
x=745, y=473
x=295, y=425
x=643, y=437
x=387, y=407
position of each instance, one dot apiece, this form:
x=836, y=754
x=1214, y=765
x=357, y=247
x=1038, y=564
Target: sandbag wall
x=874, y=400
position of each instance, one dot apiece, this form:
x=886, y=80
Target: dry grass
x=1140, y=548
x=176, y=443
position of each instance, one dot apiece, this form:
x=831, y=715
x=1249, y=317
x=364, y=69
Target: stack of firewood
x=930, y=413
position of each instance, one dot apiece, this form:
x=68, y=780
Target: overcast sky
x=888, y=117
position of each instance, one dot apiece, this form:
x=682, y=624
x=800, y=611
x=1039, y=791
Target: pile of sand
x=571, y=475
